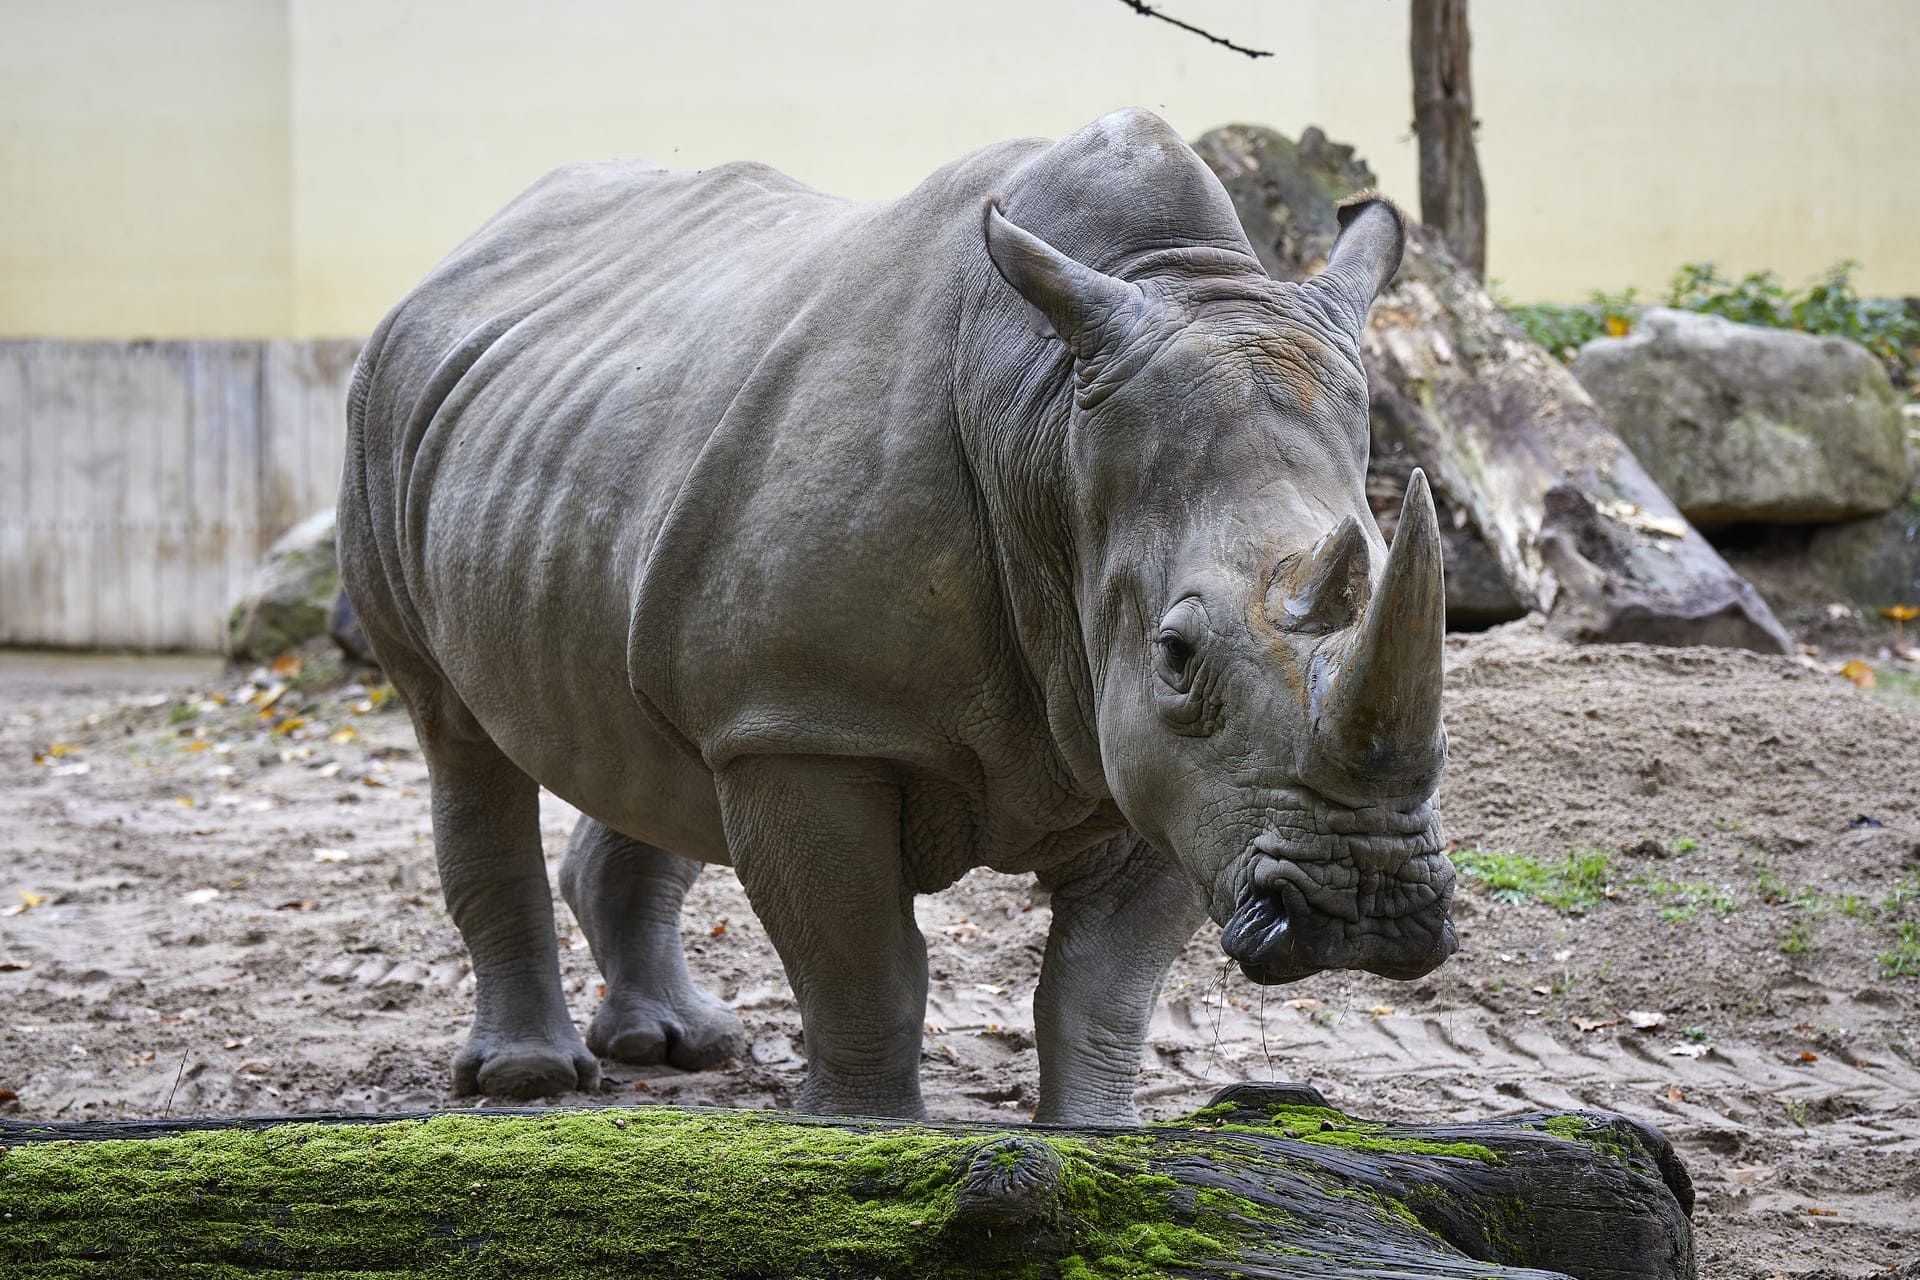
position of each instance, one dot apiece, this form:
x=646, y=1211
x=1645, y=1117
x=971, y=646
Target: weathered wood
x=1514, y=447
x=1267, y=1182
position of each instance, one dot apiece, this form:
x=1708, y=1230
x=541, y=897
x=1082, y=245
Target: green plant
x=1828, y=306
x=1902, y=960
x=1908, y=890
x=1685, y=844
x=1769, y=887
x=1759, y=297
x=1798, y=940
x=1564, y=330
x=1684, y=898
x=1572, y=884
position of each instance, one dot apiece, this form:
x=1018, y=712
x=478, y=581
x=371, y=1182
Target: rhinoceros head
x=1265, y=675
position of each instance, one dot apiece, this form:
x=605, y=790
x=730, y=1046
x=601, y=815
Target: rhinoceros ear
x=1366, y=253
x=1086, y=308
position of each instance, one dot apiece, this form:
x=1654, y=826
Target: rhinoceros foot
x=503, y=1066
x=690, y=1030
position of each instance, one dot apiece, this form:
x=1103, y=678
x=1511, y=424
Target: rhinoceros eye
x=1176, y=654
x=1175, y=645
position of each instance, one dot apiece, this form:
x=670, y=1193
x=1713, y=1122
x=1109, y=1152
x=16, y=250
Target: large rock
x=1572, y=523
x=1871, y=562
x=290, y=598
x=1739, y=423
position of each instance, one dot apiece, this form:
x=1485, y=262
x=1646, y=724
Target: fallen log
x=1266, y=1182
x=1516, y=450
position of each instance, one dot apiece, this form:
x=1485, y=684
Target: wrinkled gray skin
x=857, y=545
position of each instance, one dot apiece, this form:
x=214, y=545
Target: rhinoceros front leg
x=486, y=836
x=816, y=843
x=627, y=897
x=1119, y=919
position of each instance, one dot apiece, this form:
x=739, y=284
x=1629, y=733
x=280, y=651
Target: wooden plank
x=119, y=587
x=62, y=557
x=304, y=411
x=16, y=442
x=179, y=612
x=223, y=477
x=139, y=423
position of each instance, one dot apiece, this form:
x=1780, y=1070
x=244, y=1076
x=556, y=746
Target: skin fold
x=1018, y=522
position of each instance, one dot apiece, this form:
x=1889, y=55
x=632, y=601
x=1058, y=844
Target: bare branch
x=1148, y=11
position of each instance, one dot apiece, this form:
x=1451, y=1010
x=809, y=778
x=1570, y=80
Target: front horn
x=1381, y=718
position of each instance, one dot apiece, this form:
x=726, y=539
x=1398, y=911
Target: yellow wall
x=144, y=162
x=208, y=167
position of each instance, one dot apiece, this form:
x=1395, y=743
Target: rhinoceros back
x=638, y=401
x=546, y=388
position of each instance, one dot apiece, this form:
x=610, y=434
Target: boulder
x=347, y=632
x=1870, y=563
x=290, y=598
x=1746, y=424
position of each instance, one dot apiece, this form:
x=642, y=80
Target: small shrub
x=1828, y=307
x=1564, y=330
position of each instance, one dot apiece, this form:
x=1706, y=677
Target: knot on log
x=1012, y=1182
x=1627, y=1132
x=1264, y=1096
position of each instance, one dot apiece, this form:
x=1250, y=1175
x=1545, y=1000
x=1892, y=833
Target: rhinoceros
x=1017, y=522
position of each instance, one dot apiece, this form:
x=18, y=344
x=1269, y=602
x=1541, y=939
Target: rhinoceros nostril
x=1258, y=933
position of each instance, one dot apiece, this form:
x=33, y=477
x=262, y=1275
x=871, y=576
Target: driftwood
x=1267, y=1182
x=1516, y=450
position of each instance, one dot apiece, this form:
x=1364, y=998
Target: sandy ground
x=227, y=908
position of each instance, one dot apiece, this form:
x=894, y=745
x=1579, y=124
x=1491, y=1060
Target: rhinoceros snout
x=1295, y=917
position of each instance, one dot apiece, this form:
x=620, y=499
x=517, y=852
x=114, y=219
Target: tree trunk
x=1517, y=451
x=1267, y=1182
x=1453, y=200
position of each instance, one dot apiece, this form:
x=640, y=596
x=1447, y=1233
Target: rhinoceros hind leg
x=816, y=843
x=486, y=836
x=627, y=896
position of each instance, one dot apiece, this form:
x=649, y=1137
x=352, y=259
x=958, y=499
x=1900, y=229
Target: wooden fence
x=140, y=481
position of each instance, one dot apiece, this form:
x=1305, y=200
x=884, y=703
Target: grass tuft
x=1573, y=884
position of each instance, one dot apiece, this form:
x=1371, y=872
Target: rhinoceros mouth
x=1343, y=889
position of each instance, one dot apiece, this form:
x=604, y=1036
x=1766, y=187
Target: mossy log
x=1516, y=450
x=1266, y=1182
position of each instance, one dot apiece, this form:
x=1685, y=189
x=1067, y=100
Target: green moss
x=597, y=1194
x=1600, y=1137
x=1325, y=1126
